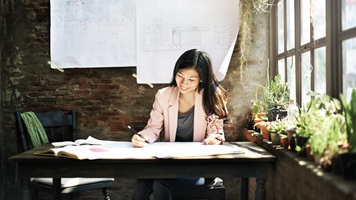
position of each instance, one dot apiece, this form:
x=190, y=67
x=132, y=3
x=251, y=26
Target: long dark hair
x=214, y=96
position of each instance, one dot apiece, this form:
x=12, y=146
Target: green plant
x=323, y=102
x=326, y=140
x=349, y=111
x=277, y=94
x=278, y=126
x=257, y=105
x=311, y=119
x=321, y=122
x=307, y=123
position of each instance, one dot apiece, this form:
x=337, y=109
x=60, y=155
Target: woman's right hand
x=139, y=141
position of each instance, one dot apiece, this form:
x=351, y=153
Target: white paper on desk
x=190, y=149
x=167, y=28
x=165, y=150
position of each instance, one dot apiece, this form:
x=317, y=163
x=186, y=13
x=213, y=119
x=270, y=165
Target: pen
x=135, y=132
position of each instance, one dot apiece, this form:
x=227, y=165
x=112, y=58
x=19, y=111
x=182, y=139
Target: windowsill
x=346, y=187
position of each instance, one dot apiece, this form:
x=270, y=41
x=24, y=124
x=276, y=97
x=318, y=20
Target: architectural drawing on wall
x=188, y=35
x=169, y=37
x=93, y=33
x=147, y=34
x=167, y=28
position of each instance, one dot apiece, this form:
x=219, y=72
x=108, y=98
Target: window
x=349, y=66
x=314, y=46
x=348, y=13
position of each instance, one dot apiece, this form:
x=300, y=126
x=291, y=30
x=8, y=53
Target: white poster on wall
x=148, y=34
x=93, y=33
x=167, y=28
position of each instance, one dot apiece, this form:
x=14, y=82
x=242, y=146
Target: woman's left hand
x=214, y=139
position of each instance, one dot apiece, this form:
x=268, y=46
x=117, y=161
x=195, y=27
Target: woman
x=191, y=109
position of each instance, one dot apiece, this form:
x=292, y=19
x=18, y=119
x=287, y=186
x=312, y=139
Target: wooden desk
x=253, y=163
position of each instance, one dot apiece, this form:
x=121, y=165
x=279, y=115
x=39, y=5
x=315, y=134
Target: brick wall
x=106, y=99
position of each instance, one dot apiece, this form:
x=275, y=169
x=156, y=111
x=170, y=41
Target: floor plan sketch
x=188, y=35
x=93, y=33
x=148, y=34
x=167, y=28
x=169, y=37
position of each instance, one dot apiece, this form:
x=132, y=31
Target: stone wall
x=106, y=100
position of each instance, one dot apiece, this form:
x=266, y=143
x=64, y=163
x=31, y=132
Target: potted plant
x=311, y=119
x=325, y=143
x=284, y=140
x=349, y=111
x=259, y=115
x=291, y=134
x=277, y=98
x=276, y=128
x=258, y=107
x=345, y=163
x=262, y=127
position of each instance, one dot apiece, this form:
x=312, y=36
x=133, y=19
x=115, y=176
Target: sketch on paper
x=150, y=35
x=167, y=28
x=93, y=33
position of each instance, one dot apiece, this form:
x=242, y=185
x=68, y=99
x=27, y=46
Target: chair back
x=59, y=126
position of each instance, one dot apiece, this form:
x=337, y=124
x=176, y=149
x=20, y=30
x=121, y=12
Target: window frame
x=332, y=41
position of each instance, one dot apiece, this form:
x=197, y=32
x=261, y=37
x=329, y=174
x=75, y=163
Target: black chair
x=212, y=189
x=59, y=126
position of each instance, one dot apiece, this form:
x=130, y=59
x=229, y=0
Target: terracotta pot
x=261, y=127
x=261, y=115
x=291, y=141
x=308, y=151
x=284, y=142
x=264, y=130
x=257, y=120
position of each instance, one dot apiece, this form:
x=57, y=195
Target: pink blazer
x=165, y=115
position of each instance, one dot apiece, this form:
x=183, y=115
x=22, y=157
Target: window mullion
x=273, y=40
x=333, y=46
x=297, y=18
x=285, y=20
x=312, y=46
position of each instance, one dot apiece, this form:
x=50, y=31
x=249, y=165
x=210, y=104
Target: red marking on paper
x=97, y=149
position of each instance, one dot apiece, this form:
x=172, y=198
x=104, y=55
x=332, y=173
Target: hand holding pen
x=138, y=140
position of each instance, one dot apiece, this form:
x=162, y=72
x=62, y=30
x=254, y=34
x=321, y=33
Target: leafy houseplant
x=312, y=120
x=277, y=128
x=307, y=123
x=349, y=111
x=325, y=143
x=345, y=163
x=259, y=107
x=323, y=102
x=259, y=117
x=256, y=105
x=277, y=97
